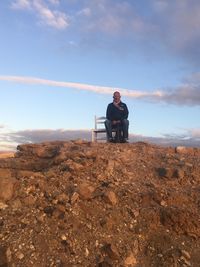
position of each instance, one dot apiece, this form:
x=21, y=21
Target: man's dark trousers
x=124, y=125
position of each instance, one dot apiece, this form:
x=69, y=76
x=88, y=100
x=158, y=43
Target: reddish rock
x=16, y=204
x=185, y=150
x=29, y=200
x=85, y=190
x=45, y=150
x=111, y=251
x=7, y=188
x=130, y=260
x=110, y=197
x=72, y=165
x=74, y=197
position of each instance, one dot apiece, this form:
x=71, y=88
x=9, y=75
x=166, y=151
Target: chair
x=98, y=129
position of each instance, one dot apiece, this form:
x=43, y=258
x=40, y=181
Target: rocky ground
x=68, y=204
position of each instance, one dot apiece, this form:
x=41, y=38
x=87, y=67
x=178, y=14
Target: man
x=117, y=116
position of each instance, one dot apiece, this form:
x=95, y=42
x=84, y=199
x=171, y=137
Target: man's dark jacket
x=115, y=113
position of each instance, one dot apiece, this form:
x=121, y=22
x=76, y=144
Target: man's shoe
x=110, y=140
x=124, y=141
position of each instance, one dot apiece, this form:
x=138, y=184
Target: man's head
x=116, y=96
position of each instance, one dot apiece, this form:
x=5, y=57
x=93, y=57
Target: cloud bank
x=10, y=140
x=188, y=94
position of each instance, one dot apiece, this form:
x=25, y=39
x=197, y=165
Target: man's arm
x=126, y=112
x=108, y=112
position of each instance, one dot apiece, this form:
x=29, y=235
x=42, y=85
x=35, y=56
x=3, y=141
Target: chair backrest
x=98, y=121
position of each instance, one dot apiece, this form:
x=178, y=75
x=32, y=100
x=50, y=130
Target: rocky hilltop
x=88, y=204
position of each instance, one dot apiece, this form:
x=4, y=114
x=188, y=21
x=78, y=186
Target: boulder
x=7, y=188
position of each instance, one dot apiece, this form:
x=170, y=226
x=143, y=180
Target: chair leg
x=92, y=136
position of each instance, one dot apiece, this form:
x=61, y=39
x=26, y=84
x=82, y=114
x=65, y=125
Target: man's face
x=116, y=96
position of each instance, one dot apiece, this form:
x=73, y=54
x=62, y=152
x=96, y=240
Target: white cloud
x=45, y=14
x=193, y=79
x=188, y=137
x=6, y=140
x=11, y=140
x=4, y=146
x=4, y=128
x=188, y=95
x=81, y=86
x=172, y=25
x=84, y=12
x=111, y=17
x=160, y=5
x=49, y=17
x=183, y=95
x=54, y=2
x=178, y=27
x=21, y=4
x=195, y=133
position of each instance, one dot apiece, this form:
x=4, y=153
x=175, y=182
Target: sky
x=61, y=61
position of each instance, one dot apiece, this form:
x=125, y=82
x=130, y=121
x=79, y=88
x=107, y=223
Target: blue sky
x=61, y=60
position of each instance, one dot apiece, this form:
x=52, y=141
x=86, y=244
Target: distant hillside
x=89, y=204
x=6, y=154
